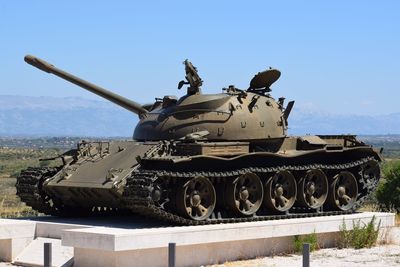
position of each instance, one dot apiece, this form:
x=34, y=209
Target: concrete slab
x=125, y=222
x=15, y=235
x=135, y=241
x=393, y=236
x=16, y=228
x=200, y=245
x=10, y=248
x=33, y=254
x=116, y=239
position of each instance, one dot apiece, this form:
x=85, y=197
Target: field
x=10, y=205
x=17, y=154
x=12, y=161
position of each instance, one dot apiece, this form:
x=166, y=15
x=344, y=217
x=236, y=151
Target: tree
x=388, y=192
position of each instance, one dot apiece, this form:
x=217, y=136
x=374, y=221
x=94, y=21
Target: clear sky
x=340, y=57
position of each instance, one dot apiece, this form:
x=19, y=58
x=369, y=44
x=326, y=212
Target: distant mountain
x=314, y=122
x=71, y=116
x=52, y=116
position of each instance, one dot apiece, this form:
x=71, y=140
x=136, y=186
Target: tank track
x=139, y=187
x=29, y=189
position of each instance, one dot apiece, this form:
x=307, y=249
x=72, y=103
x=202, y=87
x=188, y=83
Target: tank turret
x=234, y=115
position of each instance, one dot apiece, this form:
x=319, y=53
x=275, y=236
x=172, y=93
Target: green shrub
x=310, y=239
x=364, y=236
x=388, y=192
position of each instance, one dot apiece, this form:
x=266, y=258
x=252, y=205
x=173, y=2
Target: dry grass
x=15, y=212
x=375, y=207
x=12, y=161
x=10, y=205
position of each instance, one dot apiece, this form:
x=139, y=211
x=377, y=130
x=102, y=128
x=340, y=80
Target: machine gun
x=192, y=78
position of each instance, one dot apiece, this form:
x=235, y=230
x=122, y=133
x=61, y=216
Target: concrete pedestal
x=124, y=242
x=200, y=245
x=15, y=235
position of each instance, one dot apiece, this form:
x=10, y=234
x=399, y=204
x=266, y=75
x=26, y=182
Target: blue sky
x=337, y=56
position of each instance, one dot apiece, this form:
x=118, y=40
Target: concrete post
x=306, y=255
x=47, y=255
x=171, y=254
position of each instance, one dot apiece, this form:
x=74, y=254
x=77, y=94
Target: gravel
x=384, y=255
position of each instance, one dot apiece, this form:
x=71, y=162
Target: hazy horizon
x=77, y=116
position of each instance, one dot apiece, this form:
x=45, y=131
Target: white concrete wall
x=203, y=245
x=194, y=255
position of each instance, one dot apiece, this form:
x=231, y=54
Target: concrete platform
x=15, y=235
x=32, y=255
x=132, y=241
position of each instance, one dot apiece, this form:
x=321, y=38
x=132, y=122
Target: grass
x=10, y=204
x=17, y=211
x=361, y=236
x=12, y=161
x=311, y=239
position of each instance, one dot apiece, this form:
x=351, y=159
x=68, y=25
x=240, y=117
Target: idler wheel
x=244, y=195
x=371, y=171
x=343, y=191
x=196, y=199
x=313, y=189
x=280, y=191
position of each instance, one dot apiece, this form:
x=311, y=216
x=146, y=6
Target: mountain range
x=72, y=116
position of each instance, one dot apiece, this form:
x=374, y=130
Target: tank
x=205, y=158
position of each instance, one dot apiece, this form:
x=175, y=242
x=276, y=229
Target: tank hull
x=147, y=178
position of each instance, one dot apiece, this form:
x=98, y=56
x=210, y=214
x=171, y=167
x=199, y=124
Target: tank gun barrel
x=115, y=98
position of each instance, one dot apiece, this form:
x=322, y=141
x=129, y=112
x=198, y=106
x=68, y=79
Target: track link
x=140, y=185
x=29, y=189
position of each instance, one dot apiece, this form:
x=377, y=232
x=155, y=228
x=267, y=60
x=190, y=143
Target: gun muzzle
x=38, y=63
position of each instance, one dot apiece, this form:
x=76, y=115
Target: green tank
x=206, y=158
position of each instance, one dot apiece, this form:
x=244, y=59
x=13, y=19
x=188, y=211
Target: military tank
x=205, y=158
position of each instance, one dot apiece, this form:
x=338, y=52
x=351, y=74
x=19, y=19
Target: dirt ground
x=384, y=255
